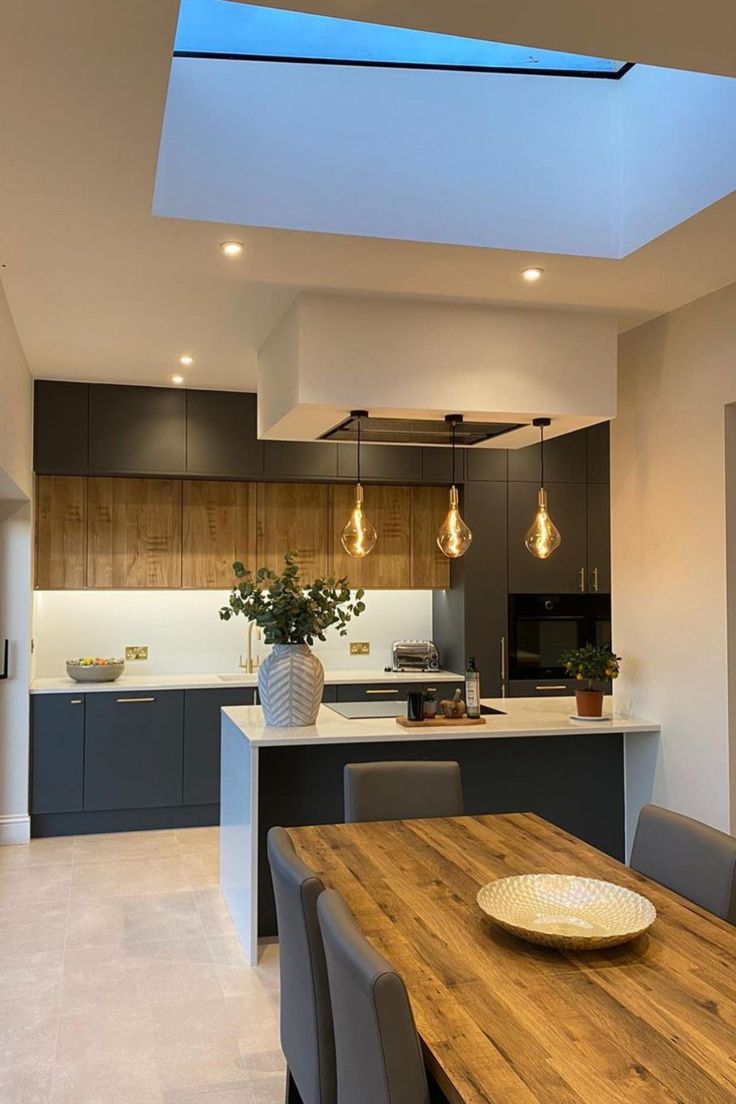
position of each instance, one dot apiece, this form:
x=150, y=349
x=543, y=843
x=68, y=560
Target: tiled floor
x=122, y=981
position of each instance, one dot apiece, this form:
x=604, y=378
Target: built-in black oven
x=543, y=626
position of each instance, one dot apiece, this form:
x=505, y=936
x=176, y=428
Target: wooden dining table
x=503, y=1021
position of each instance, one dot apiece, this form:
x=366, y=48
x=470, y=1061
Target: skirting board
x=15, y=829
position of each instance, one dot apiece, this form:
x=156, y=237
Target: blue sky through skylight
x=223, y=28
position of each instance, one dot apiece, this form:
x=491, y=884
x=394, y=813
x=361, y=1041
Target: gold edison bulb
x=454, y=538
x=543, y=535
x=359, y=535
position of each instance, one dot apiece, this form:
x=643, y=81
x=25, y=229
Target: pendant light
x=454, y=537
x=543, y=536
x=359, y=535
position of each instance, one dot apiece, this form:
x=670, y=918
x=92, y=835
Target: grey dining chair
x=689, y=857
x=402, y=790
x=379, y=1058
x=307, y=1038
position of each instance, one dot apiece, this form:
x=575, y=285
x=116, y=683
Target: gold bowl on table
x=561, y=910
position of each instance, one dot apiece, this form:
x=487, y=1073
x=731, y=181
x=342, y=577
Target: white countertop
x=522, y=717
x=126, y=682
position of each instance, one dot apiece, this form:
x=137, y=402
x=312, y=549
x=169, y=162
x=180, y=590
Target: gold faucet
x=251, y=664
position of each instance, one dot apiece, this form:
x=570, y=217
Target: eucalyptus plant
x=592, y=663
x=288, y=610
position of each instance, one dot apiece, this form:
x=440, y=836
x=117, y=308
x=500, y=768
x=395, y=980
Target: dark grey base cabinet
x=392, y=691
x=57, y=753
x=133, y=750
x=201, y=785
x=541, y=688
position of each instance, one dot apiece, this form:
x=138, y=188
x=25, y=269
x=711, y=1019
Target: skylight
x=219, y=28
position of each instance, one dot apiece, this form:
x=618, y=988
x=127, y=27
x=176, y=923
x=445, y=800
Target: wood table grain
x=506, y=1022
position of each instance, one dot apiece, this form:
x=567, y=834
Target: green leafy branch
x=288, y=610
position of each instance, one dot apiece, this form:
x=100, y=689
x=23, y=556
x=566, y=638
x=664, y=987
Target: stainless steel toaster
x=414, y=655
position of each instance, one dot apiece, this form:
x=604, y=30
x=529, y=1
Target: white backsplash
x=185, y=635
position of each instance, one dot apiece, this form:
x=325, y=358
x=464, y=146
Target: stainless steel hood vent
x=417, y=431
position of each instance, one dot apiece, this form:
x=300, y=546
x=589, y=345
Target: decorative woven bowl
x=101, y=672
x=559, y=910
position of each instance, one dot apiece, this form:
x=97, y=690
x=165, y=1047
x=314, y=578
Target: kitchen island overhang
x=589, y=777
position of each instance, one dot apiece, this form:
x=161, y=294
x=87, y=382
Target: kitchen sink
x=234, y=678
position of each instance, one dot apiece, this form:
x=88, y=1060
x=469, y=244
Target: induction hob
x=364, y=711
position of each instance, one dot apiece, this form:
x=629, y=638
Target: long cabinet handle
x=393, y=691
x=503, y=666
x=581, y=579
x=75, y=701
x=125, y=701
x=595, y=579
x=550, y=688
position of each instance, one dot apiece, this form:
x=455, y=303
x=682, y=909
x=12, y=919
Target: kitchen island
x=589, y=777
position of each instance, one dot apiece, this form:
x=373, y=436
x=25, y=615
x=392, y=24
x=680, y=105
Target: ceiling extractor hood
x=410, y=362
x=417, y=431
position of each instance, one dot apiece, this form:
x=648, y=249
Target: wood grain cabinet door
x=389, y=565
x=429, y=506
x=294, y=517
x=219, y=527
x=134, y=533
x=61, y=532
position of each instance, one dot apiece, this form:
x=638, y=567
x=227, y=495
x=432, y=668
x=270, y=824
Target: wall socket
x=360, y=647
x=136, y=651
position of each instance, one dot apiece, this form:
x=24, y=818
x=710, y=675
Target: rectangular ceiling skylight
x=218, y=28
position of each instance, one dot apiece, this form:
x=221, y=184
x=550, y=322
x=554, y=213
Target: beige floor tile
x=25, y=929
x=38, y=886
x=29, y=976
x=129, y=877
x=119, y=846
x=237, y=1093
x=198, y=837
x=27, y=1080
x=137, y=919
x=268, y=1090
x=56, y=850
x=213, y=913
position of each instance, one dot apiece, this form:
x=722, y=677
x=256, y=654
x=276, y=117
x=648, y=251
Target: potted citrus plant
x=591, y=664
x=292, y=614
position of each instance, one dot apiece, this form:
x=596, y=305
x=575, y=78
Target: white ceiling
x=102, y=290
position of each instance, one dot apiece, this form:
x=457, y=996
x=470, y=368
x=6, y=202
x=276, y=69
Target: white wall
x=678, y=153
x=185, y=635
x=507, y=161
x=15, y=577
x=669, y=579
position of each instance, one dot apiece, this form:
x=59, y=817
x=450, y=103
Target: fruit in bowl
x=95, y=669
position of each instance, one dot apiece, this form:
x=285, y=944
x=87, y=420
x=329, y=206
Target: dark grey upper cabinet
x=137, y=429
x=60, y=427
x=222, y=436
x=202, y=741
x=300, y=460
x=389, y=463
x=565, y=460
x=599, y=537
x=133, y=749
x=57, y=753
x=437, y=465
x=599, y=453
x=486, y=464
x=565, y=571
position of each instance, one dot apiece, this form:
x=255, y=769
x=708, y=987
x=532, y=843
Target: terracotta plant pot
x=589, y=703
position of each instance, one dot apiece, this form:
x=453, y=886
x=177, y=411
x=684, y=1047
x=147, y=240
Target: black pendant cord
x=454, y=427
x=359, y=421
x=541, y=457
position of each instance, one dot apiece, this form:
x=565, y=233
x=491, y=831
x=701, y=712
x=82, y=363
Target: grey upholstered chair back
x=379, y=1059
x=402, y=790
x=307, y=1038
x=689, y=857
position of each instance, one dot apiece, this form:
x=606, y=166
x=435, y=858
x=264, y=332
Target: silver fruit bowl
x=95, y=672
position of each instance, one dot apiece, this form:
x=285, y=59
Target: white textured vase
x=290, y=683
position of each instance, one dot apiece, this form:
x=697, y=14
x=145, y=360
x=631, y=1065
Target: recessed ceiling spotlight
x=231, y=248
x=531, y=275
x=186, y=359
x=177, y=379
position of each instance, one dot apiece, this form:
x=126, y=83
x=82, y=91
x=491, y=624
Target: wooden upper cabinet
x=61, y=532
x=294, y=517
x=219, y=527
x=134, y=537
x=389, y=565
x=429, y=506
